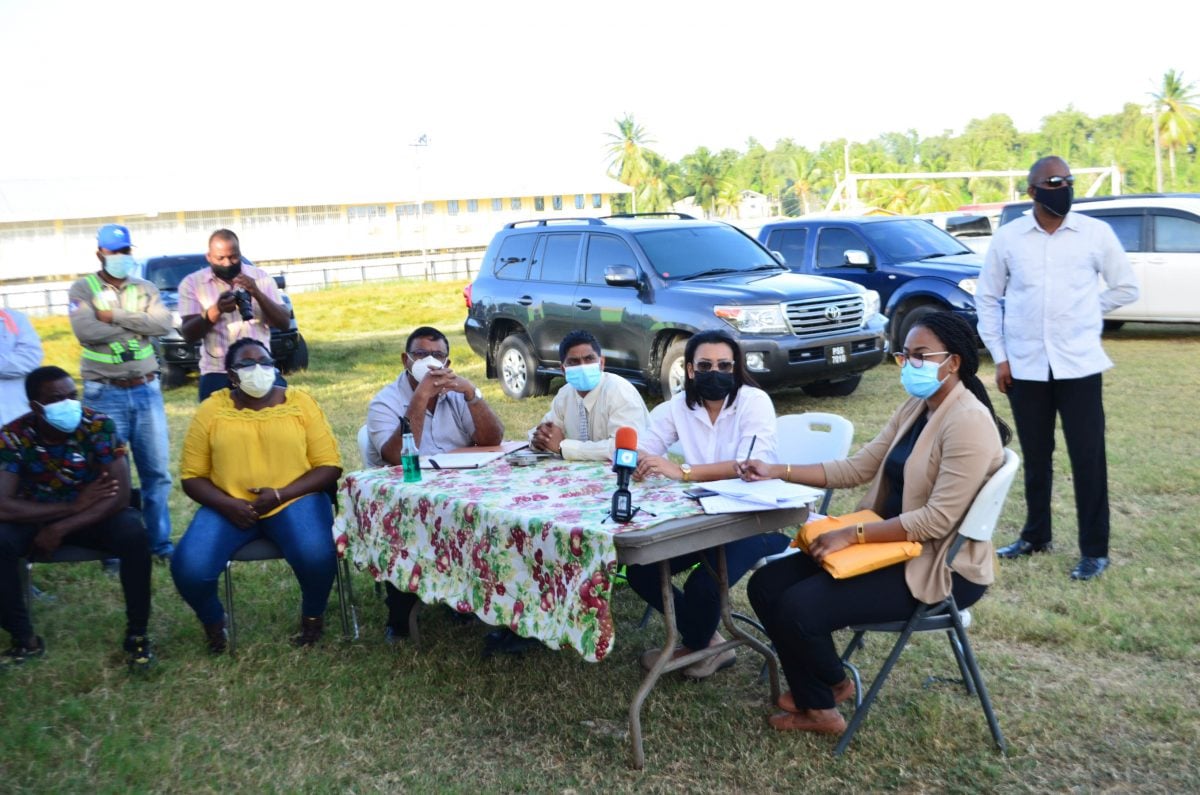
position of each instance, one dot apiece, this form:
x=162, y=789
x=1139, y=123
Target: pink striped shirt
x=200, y=290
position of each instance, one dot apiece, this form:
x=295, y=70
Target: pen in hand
x=749, y=452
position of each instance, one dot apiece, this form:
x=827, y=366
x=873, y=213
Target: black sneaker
x=19, y=652
x=141, y=652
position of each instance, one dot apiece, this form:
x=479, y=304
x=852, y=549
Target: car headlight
x=967, y=286
x=766, y=319
x=870, y=305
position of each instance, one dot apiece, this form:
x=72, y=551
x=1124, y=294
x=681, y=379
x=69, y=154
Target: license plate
x=836, y=354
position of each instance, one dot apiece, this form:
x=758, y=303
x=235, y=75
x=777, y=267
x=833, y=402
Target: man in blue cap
x=114, y=315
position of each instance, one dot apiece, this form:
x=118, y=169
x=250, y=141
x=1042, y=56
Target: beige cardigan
x=953, y=457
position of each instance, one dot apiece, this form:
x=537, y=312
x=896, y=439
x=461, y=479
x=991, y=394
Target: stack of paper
x=739, y=496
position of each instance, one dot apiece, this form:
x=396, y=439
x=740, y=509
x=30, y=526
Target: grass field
x=1095, y=685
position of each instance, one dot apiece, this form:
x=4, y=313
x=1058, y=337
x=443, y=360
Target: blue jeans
x=303, y=530
x=142, y=421
x=698, y=605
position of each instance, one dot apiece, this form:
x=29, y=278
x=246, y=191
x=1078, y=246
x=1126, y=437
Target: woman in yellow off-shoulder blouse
x=259, y=459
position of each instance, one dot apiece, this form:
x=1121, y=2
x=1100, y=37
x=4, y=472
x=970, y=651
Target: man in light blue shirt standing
x=1047, y=269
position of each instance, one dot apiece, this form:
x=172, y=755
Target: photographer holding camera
x=230, y=300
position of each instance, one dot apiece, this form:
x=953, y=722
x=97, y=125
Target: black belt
x=127, y=383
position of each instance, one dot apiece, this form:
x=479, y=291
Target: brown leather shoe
x=810, y=720
x=311, y=630
x=843, y=691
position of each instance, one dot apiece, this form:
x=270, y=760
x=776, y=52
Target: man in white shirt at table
x=583, y=420
x=444, y=410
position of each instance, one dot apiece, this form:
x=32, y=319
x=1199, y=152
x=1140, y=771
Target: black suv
x=643, y=285
x=176, y=355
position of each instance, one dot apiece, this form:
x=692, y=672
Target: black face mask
x=714, y=385
x=227, y=273
x=1057, y=201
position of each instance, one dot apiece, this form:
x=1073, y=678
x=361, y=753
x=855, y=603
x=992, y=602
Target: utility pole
x=1157, y=152
x=418, y=145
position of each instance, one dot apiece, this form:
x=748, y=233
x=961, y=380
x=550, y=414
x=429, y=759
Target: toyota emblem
x=833, y=312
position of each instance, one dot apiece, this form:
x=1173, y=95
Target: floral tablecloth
x=525, y=547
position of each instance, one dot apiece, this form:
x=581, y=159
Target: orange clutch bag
x=857, y=558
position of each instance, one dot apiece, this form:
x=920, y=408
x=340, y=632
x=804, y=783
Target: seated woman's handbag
x=855, y=559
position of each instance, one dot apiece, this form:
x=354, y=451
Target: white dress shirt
x=1053, y=306
x=614, y=403
x=751, y=417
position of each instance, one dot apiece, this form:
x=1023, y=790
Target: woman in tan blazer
x=925, y=468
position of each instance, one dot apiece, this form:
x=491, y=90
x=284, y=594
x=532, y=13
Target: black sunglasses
x=1056, y=182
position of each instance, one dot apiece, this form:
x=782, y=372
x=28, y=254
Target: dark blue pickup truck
x=915, y=267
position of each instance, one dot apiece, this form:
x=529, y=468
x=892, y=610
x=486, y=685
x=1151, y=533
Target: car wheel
x=833, y=388
x=671, y=373
x=173, y=376
x=1113, y=325
x=517, y=367
x=299, y=358
x=910, y=319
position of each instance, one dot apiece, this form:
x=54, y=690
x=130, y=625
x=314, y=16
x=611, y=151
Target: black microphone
x=624, y=462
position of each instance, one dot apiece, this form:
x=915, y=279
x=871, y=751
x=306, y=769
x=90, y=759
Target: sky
x=223, y=90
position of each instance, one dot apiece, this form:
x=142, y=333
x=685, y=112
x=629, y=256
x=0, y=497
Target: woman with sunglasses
x=924, y=469
x=719, y=418
x=259, y=459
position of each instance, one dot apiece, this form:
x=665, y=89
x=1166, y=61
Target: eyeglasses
x=917, y=359
x=705, y=366
x=419, y=354
x=246, y=364
x=1056, y=182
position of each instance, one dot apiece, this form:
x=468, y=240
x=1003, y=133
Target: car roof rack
x=591, y=221
x=680, y=216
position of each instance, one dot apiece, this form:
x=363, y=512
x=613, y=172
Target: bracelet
x=279, y=501
x=788, y=475
x=861, y=537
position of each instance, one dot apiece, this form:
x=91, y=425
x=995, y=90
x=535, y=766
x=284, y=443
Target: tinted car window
x=790, y=243
x=832, y=245
x=603, y=251
x=902, y=241
x=691, y=251
x=1172, y=233
x=1128, y=229
x=557, y=259
x=515, y=254
x=166, y=274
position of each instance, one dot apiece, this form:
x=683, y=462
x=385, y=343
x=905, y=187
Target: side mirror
x=281, y=281
x=621, y=276
x=858, y=258
x=778, y=255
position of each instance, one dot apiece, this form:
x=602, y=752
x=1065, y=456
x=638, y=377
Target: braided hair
x=958, y=338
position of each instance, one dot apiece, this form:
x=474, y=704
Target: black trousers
x=1079, y=401
x=801, y=605
x=122, y=535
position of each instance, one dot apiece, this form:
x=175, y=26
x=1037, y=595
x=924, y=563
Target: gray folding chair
x=266, y=549
x=978, y=525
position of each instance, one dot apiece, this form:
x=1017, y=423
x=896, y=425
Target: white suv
x=1161, y=233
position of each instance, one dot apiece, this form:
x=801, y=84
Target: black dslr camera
x=243, y=304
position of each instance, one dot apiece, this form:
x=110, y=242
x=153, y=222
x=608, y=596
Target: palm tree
x=704, y=174
x=627, y=155
x=1176, y=112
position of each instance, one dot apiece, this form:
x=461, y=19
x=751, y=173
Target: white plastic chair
x=811, y=438
x=364, y=446
x=978, y=525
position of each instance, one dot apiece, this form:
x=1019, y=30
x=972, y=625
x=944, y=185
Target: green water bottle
x=410, y=457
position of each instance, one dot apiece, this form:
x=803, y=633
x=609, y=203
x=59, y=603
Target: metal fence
x=50, y=297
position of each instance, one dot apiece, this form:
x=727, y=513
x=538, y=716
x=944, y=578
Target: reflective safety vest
x=132, y=350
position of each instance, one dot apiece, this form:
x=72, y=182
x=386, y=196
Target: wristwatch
x=477, y=396
x=686, y=469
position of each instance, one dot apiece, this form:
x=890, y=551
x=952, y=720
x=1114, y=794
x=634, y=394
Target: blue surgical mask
x=64, y=414
x=584, y=377
x=921, y=382
x=118, y=266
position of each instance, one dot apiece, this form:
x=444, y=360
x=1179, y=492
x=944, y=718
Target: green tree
x=1175, y=106
x=627, y=154
x=704, y=176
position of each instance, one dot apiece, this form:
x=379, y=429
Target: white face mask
x=256, y=381
x=421, y=367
